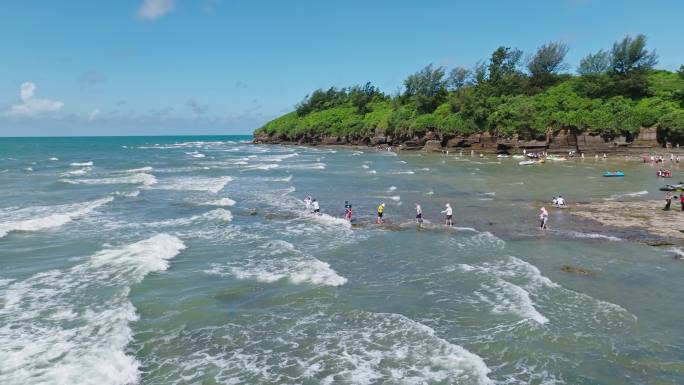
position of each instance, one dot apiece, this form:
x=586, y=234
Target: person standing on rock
x=668, y=201
x=681, y=200
x=449, y=215
x=544, y=219
x=347, y=211
x=316, y=207
x=381, y=212
x=419, y=214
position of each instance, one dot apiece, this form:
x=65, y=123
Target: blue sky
x=152, y=67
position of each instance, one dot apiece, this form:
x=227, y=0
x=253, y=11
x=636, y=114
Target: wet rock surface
x=664, y=227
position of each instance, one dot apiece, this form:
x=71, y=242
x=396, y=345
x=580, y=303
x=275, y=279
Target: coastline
x=560, y=142
x=634, y=220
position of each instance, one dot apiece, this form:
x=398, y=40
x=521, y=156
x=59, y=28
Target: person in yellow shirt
x=381, y=211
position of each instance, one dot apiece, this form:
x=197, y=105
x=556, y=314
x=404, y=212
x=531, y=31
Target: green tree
x=427, y=88
x=631, y=55
x=546, y=63
x=679, y=94
x=672, y=126
x=458, y=78
x=594, y=63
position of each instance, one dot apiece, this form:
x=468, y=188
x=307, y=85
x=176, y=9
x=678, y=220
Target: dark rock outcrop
x=433, y=146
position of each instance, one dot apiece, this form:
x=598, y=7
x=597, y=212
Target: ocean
x=191, y=260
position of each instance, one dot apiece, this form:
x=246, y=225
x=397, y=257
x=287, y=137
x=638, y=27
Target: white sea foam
x=142, y=169
x=220, y=202
x=513, y=285
x=330, y=220
x=403, y=172
x=195, y=154
x=365, y=166
x=306, y=166
x=577, y=234
x=290, y=264
x=218, y=214
x=372, y=172
x=430, y=193
x=45, y=217
x=677, y=251
x=82, y=164
x=511, y=298
x=262, y=166
x=358, y=347
x=53, y=158
x=195, y=183
x=391, y=348
x=29, y=169
x=46, y=339
x=285, y=179
x=139, y=178
x=77, y=172
x=277, y=158
x=626, y=195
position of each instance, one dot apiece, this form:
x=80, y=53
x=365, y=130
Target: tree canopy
x=615, y=92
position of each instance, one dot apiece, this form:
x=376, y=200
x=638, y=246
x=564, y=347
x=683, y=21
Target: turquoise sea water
x=190, y=260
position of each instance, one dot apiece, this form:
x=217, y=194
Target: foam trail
x=290, y=264
x=45, y=339
x=45, y=217
x=142, y=169
x=139, y=178
x=577, y=234
x=210, y=185
x=220, y=202
x=625, y=195
x=83, y=164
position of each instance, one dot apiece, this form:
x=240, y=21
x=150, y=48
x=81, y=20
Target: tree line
x=615, y=92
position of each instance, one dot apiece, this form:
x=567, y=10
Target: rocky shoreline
x=649, y=222
x=562, y=141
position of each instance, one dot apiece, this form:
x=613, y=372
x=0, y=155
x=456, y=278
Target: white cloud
x=154, y=9
x=94, y=114
x=30, y=105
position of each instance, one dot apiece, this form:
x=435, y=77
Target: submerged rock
x=576, y=270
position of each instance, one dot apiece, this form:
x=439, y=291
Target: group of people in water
x=313, y=207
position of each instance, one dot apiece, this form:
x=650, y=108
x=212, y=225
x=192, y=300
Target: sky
x=170, y=67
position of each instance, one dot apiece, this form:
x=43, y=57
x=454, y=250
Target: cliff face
x=560, y=141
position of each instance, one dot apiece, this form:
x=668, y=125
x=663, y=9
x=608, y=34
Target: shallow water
x=139, y=260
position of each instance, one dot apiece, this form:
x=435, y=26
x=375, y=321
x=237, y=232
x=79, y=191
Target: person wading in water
x=381, y=211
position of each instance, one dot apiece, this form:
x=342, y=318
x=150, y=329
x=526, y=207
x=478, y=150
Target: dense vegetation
x=614, y=93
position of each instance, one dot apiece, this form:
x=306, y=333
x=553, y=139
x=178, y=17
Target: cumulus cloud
x=154, y=9
x=196, y=108
x=94, y=114
x=32, y=106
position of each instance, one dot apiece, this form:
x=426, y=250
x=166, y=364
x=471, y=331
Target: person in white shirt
x=419, y=214
x=449, y=215
x=307, y=202
x=560, y=201
x=543, y=219
x=316, y=208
